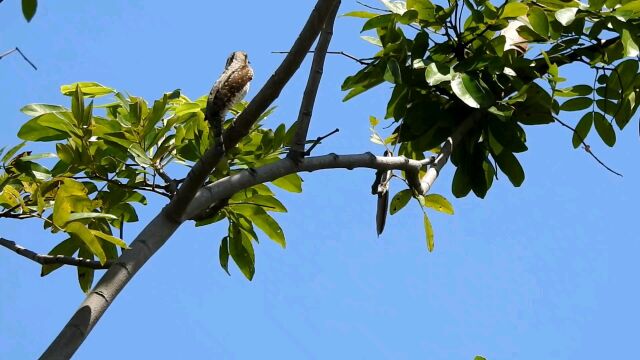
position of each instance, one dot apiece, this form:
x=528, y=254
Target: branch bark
x=297, y=150
x=53, y=259
x=158, y=231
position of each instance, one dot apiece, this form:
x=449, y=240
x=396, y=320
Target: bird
x=230, y=88
x=380, y=187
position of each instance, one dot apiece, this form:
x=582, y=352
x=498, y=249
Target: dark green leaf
x=66, y=248
x=223, y=254
x=582, y=129
x=604, y=129
x=511, y=167
x=460, y=186
x=576, y=104
x=85, y=275
x=29, y=8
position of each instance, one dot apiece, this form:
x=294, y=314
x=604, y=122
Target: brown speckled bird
x=230, y=88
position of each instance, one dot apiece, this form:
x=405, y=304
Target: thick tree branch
x=158, y=231
x=53, y=259
x=309, y=97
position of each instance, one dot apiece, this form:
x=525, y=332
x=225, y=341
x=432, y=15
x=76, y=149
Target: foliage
x=448, y=61
x=103, y=164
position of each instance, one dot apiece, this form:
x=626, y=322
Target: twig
x=16, y=49
x=361, y=61
x=372, y=7
x=587, y=147
x=54, y=259
x=309, y=97
x=318, y=140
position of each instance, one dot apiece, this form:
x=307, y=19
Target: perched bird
x=380, y=187
x=229, y=89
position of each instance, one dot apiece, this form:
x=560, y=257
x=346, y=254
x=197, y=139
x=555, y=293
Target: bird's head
x=237, y=58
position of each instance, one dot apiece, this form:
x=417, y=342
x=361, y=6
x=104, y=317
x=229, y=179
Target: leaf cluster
x=109, y=155
x=447, y=61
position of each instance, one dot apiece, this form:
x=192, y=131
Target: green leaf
x=511, y=167
x=566, y=16
x=66, y=248
x=472, y=92
x=539, y=21
x=577, y=90
x=89, y=89
x=361, y=14
x=461, y=185
x=223, y=254
x=85, y=275
x=628, y=10
x=438, y=203
x=399, y=201
x=263, y=221
x=109, y=238
x=392, y=73
x=437, y=73
x=13, y=151
x=577, y=104
x=267, y=202
x=381, y=21
x=291, y=183
x=89, y=215
x=428, y=230
x=479, y=358
x=372, y=40
x=582, y=129
x=629, y=43
x=87, y=238
x=39, y=109
x=373, y=121
x=513, y=10
x=604, y=129
x=29, y=8
x=241, y=250
x=37, y=129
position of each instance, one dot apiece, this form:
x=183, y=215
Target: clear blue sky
x=545, y=271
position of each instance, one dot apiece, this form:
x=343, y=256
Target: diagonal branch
x=158, y=231
x=53, y=259
x=308, y=99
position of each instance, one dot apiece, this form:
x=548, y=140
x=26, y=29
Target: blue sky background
x=548, y=270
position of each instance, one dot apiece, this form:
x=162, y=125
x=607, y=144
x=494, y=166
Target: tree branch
x=53, y=259
x=296, y=152
x=158, y=231
x=228, y=186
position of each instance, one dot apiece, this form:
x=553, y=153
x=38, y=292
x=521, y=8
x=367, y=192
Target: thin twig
x=372, y=7
x=587, y=147
x=318, y=140
x=16, y=49
x=53, y=259
x=297, y=150
x=361, y=61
